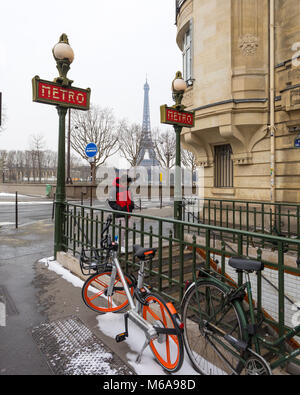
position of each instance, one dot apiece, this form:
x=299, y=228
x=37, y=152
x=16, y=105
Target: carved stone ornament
x=248, y=44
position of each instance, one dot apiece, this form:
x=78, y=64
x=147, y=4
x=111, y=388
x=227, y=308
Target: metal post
x=16, y=210
x=93, y=178
x=69, y=179
x=53, y=207
x=60, y=187
x=178, y=186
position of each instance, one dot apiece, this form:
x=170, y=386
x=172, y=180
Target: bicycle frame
x=252, y=335
x=134, y=313
x=158, y=319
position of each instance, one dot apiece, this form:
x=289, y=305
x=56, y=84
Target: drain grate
x=5, y=297
x=72, y=349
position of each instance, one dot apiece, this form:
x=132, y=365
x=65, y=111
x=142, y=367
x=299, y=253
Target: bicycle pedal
x=121, y=337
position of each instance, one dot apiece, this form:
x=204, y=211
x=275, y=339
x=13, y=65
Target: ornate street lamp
x=64, y=96
x=64, y=56
x=178, y=88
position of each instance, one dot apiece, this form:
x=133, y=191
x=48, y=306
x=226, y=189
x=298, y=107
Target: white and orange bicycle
x=109, y=290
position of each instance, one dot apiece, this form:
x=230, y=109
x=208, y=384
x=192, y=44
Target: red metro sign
x=52, y=93
x=173, y=116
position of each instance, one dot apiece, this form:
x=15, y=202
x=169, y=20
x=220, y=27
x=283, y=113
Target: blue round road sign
x=91, y=150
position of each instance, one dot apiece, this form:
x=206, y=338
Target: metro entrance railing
x=277, y=219
x=276, y=290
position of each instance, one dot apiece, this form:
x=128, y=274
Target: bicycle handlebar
x=107, y=225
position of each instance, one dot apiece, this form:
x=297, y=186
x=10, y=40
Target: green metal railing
x=178, y=257
x=277, y=219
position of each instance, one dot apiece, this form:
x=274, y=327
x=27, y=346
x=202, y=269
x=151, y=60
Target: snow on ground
x=24, y=203
x=61, y=271
x=4, y=194
x=112, y=324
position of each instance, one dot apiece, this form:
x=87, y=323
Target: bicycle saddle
x=245, y=264
x=144, y=253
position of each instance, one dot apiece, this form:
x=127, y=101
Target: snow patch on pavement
x=5, y=194
x=25, y=203
x=61, y=271
x=112, y=324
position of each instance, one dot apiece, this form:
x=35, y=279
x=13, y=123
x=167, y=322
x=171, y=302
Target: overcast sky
x=116, y=44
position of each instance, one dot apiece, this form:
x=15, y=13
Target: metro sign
x=173, y=116
x=52, y=93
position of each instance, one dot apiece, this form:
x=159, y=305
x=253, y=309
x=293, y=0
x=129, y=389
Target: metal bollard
x=16, y=210
x=53, y=207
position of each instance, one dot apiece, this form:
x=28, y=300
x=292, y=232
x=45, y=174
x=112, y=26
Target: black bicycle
x=220, y=338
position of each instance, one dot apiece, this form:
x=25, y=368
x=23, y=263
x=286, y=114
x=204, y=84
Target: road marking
x=2, y=313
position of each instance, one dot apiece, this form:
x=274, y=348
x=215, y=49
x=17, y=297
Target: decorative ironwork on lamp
x=179, y=86
x=64, y=56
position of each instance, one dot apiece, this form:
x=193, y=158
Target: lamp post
x=69, y=178
x=64, y=56
x=178, y=88
x=63, y=95
x=179, y=118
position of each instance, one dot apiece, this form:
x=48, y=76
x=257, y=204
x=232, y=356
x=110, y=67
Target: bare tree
x=189, y=160
x=28, y=167
x=98, y=126
x=131, y=141
x=11, y=165
x=165, y=148
x=20, y=165
x=3, y=156
x=50, y=159
x=37, y=144
x=3, y=118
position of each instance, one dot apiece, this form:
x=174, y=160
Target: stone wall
x=230, y=93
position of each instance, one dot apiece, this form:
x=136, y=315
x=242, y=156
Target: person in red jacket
x=121, y=200
x=120, y=196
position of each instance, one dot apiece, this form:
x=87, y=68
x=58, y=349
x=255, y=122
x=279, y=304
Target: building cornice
x=231, y=101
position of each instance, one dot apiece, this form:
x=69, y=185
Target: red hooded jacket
x=120, y=197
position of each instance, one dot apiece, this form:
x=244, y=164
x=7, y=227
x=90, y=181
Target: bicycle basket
x=91, y=261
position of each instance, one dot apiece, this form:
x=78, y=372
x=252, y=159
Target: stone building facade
x=227, y=55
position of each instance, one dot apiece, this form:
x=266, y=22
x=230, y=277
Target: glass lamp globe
x=63, y=51
x=179, y=85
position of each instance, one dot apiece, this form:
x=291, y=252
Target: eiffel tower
x=147, y=157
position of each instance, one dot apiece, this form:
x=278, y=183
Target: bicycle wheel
x=203, y=304
x=94, y=293
x=167, y=348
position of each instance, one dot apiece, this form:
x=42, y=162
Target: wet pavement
x=18, y=251
x=35, y=296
